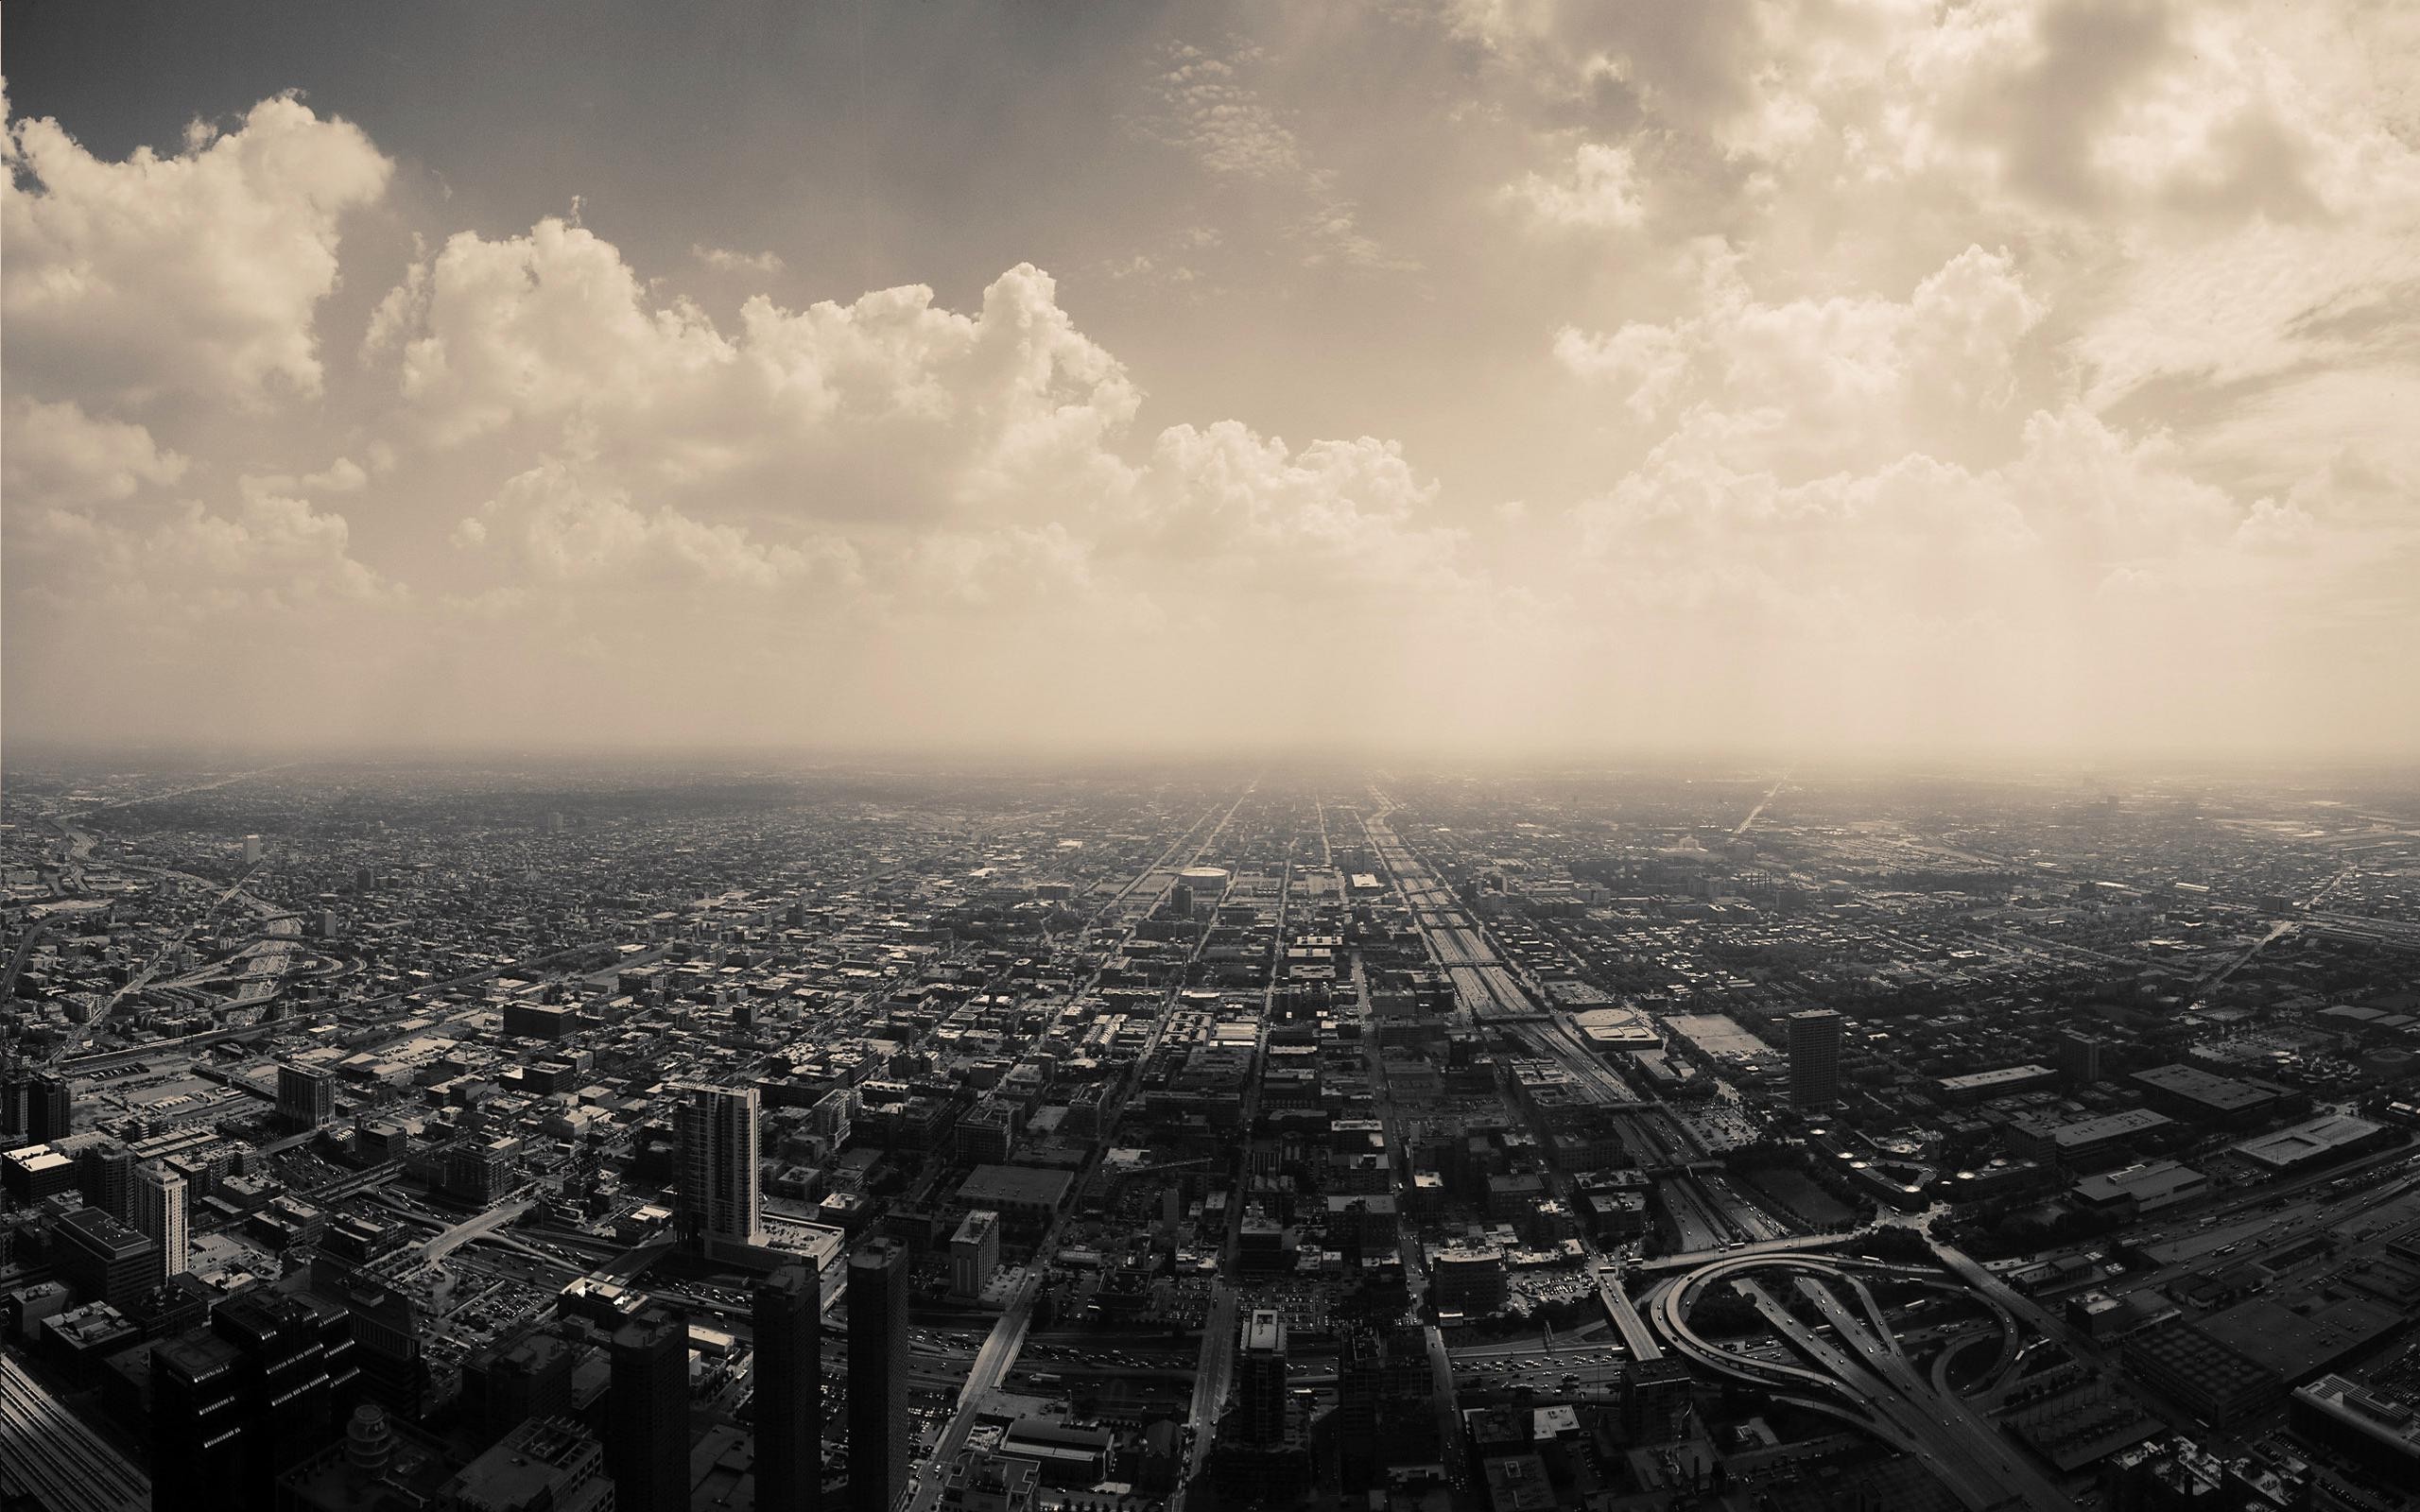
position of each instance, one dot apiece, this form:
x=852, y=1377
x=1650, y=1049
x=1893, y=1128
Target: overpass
x=1861, y=1368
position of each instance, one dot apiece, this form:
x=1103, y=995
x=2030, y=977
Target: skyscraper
x=789, y=1390
x=974, y=1253
x=236, y=1402
x=51, y=1108
x=306, y=1096
x=105, y=1174
x=1360, y=1364
x=647, y=1410
x=1815, y=1057
x=716, y=1129
x=157, y=1212
x=1260, y=1395
x=878, y=1422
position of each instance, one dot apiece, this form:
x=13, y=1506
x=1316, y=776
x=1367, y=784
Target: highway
x=1861, y=1363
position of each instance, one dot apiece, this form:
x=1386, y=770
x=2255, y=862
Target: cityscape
x=513, y=1137
x=1210, y=756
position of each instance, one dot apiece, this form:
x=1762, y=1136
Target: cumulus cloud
x=194, y=274
x=1812, y=384
x=57, y=454
x=1601, y=192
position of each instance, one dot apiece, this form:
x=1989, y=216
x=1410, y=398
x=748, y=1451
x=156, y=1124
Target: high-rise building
x=1260, y=1392
x=253, y=850
x=878, y=1422
x=158, y=1210
x=51, y=1108
x=2079, y=1056
x=789, y=1319
x=974, y=1253
x=105, y=1175
x=1815, y=1057
x=234, y=1403
x=386, y=1344
x=545, y=1465
x=648, y=1411
x=510, y=1382
x=306, y=1096
x=714, y=1131
x=1360, y=1366
x=102, y=1259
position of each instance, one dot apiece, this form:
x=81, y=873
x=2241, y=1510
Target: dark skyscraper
x=790, y=1395
x=233, y=1404
x=878, y=1422
x=1361, y=1366
x=1814, y=1058
x=1260, y=1393
x=50, y=1108
x=647, y=1449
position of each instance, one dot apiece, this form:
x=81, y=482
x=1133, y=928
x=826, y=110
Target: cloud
x=57, y=456
x=1809, y=384
x=723, y=259
x=195, y=275
x=1601, y=192
x=1206, y=110
x=1204, y=107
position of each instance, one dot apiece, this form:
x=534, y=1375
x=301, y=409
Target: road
x=993, y=1363
x=1769, y=797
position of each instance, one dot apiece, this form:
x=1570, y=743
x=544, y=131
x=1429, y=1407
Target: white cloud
x=195, y=275
x=723, y=259
x=1601, y=192
x=56, y=455
x=1808, y=385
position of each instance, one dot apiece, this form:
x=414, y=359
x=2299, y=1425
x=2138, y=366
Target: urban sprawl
x=419, y=1137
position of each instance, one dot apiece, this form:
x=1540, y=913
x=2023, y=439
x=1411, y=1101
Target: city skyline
x=2005, y=382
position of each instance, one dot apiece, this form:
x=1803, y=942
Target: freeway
x=1861, y=1363
x=1964, y=1433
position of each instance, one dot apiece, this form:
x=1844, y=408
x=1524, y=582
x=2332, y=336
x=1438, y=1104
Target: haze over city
x=1988, y=381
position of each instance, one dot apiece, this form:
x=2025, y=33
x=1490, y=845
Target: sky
x=1806, y=377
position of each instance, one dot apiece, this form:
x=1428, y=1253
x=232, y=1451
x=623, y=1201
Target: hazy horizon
x=1485, y=380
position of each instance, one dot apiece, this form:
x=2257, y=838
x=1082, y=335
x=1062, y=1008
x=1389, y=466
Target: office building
x=1360, y=1380
x=103, y=1258
x=1260, y=1387
x=1815, y=1057
x=545, y=1465
x=157, y=1212
x=715, y=1131
x=974, y=1254
x=648, y=1411
x=253, y=850
x=879, y=1426
x=2079, y=1056
x=105, y=1175
x=35, y=1105
x=233, y=1404
x=306, y=1096
x=789, y=1319
x=510, y=1381
x=33, y=1172
x=386, y=1344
